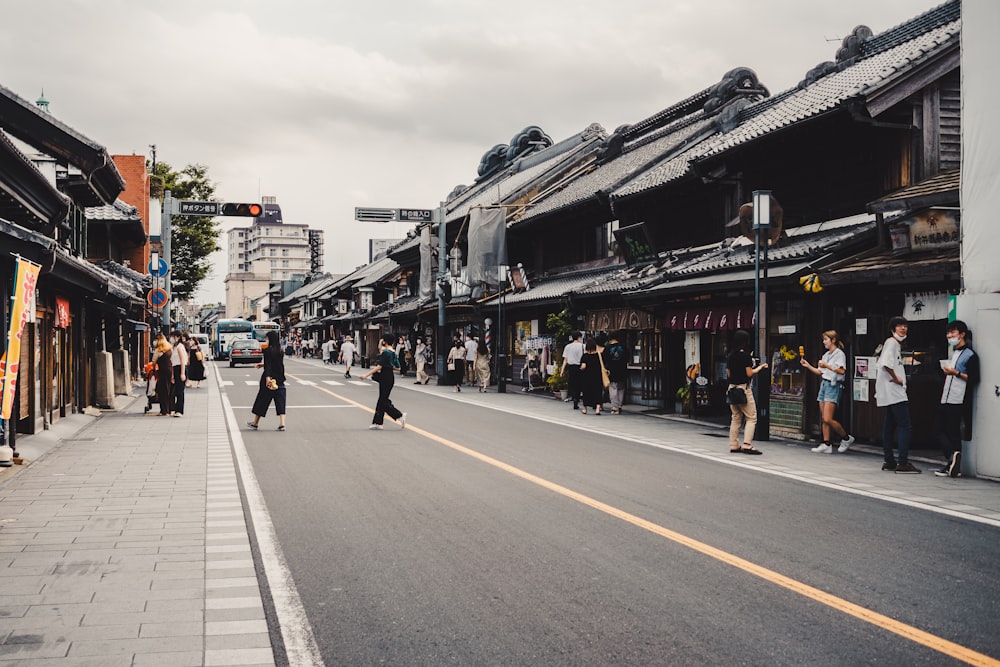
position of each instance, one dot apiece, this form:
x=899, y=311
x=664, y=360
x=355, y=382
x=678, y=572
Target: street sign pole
x=167, y=221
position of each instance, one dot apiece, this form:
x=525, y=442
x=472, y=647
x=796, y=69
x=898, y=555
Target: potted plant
x=556, y=382
x=683, y=403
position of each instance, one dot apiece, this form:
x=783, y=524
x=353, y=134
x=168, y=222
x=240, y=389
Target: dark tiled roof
x=118, y=211
x=899, y=52
x=637, y=156
x=939, y=190
x=140, y=280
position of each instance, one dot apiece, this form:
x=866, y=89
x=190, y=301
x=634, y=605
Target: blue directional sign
x=159, y=270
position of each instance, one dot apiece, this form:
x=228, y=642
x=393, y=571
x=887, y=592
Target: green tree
x=192, y=238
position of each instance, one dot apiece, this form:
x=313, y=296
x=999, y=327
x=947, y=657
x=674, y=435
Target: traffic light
x=444, y=289
x=245, y=210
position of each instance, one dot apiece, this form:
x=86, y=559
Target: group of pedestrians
x=178, y=362
x=596, y=372
x=468, y=362
x=961, y=369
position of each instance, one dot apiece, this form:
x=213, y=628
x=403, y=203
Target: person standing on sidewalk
x=482, y=366
x=179, y=361
x=833, y=369
x=890, y=393
x=617, y=364
x=961, y=372
x=470, y=359
x=591, y=378
x=740, y=371
x=382, y=371
x=272, y=383
x=164, y=374
x=420, y=353
x=346, y=356
x=572, y=356
x=456, y=363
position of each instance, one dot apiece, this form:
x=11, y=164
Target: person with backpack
x=961, y=372
x=617, y=364
x=382, y=371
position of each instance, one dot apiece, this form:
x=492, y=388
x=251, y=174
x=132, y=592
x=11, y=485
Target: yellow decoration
x=811, y=283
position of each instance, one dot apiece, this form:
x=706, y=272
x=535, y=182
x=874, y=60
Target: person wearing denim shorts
x=833, y=369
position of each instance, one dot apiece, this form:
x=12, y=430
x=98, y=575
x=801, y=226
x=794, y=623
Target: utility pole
x=442, y=275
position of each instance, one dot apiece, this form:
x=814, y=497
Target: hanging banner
x=24, y=296
x=62, y=313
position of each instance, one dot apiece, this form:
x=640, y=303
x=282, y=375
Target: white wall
x=979, y=304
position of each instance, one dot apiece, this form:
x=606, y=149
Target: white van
x=202, y=340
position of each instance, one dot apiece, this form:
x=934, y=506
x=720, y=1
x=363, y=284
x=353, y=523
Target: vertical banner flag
x=487, y=245
x=24, y=296
x=428, y=266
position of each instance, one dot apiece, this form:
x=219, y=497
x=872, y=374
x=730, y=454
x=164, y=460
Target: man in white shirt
x=890, y=393
x=346, y=356
x=572, y=356
x=471, y=345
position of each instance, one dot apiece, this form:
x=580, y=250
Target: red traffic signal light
x=245, y=210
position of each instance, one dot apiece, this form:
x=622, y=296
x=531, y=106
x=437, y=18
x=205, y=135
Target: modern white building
x=269, y=250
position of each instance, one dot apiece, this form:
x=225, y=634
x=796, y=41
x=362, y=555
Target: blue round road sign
x=159, y=270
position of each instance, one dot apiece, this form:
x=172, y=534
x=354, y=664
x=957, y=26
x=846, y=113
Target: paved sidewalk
x=123, y=539
x=124, y=543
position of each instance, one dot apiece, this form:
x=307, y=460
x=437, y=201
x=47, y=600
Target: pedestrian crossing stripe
x=227, y=383
x=307, y=382
x=251, y=382
x=333, y=383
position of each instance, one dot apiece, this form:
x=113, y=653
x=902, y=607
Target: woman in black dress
x=382, y=371
x=196, y=366
x=272, y=383
x=164, y=375
x=590, y=378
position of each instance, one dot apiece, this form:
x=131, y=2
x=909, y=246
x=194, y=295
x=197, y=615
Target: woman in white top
x=833, y=369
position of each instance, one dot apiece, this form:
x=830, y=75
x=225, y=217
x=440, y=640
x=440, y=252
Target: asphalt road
x=474, y=537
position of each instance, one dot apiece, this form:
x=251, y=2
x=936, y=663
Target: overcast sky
x=328, y=105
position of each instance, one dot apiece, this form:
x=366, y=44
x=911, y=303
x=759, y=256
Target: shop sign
x=711, y=318
x=928, y=230
x=619, y=318
x=62, y=313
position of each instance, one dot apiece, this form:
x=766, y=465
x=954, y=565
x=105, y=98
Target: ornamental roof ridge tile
x=501, y=190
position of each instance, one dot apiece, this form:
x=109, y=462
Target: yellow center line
x=934, y=642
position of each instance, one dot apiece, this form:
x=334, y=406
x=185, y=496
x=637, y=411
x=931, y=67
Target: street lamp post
x=501, y=356
x=761, y=228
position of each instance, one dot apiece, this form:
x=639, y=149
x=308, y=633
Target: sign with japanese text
x=187, y=207
x=24, y=296
x=62, y=313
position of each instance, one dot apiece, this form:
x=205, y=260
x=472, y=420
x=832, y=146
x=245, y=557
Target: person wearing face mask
x=890, y=393
x=961, y=370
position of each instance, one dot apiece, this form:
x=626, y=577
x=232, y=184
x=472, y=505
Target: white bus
x=226, y=331
x=260, y=330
